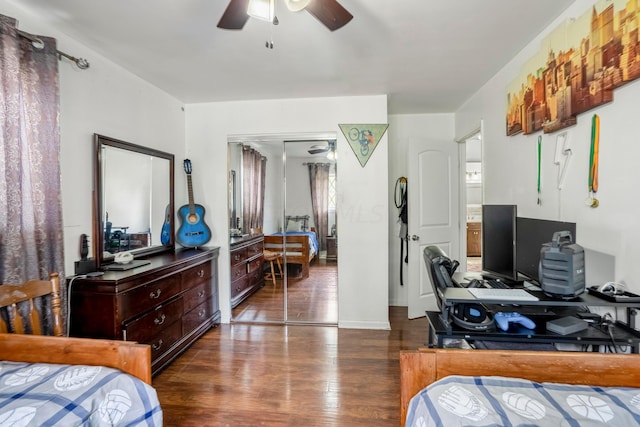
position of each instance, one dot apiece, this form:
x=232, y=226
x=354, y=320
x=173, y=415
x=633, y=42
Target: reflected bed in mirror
x=133, y=200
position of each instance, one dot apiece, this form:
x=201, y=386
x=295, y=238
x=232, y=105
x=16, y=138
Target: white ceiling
x=426, y=55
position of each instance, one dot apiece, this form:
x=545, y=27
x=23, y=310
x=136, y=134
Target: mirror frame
x=101, y=141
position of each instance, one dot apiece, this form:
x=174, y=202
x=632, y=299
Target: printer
x=561, y=270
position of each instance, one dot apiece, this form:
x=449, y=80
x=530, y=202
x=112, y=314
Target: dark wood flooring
x=290, y=375
x=310, y=300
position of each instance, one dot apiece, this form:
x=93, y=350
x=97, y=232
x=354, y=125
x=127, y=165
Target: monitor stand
x=509, y=282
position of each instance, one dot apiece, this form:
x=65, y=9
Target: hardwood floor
x=310, y=300
x=290, y=375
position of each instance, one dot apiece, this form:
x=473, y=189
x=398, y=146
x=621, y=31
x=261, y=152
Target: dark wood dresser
x=167, y=304
x=247, y=261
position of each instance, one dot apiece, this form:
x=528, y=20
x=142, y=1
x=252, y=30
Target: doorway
x=474, y=200
x=303, y=287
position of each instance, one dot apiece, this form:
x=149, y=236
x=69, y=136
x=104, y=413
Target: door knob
x=414, y=237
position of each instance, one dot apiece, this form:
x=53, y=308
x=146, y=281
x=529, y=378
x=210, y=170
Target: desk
x=440, y=326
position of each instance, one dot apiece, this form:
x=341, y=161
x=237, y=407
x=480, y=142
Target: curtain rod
x=82, y=63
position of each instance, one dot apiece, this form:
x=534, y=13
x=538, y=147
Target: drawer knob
x=155, y=294
x=159, y=320
x=201, y=313
x=201, y=293
x=158, y=345
x=201, y=273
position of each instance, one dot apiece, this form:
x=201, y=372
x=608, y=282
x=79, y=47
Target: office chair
x=440, y=269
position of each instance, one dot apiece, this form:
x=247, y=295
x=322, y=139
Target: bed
x=436, y=369
x=298, y=243
x=48, y=380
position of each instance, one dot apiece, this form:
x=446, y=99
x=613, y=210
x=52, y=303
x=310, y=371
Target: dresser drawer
x=154, y=322
x=165, y=340
x=238, y=271
x=254, y=265
x=254, y=249
x=196, y=295
x=145, y=297
x=195, y=275
x=238, y=255
x=195, y=317
x=238, y=286
x=255, y=279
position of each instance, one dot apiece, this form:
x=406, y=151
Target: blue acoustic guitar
x=193, y=231
x=165, y=234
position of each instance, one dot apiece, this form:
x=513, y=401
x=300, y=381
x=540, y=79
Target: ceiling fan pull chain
x=269, y=43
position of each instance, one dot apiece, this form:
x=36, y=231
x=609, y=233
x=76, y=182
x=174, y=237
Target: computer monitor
x=499, y=241
x=532, y=234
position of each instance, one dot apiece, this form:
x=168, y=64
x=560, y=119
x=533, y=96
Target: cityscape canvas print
x=576, y=69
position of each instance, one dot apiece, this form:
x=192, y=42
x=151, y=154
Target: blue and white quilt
x=499, y=401
x=41, y=394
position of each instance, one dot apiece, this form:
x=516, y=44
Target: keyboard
x=502, y=294
x=497, y=284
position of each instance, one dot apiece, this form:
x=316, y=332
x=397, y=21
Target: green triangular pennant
x=363, y=138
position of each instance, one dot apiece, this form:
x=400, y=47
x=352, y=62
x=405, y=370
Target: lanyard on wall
x=593, y=162
x=539, y=163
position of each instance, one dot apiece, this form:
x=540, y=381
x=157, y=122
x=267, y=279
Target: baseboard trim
x=364, y=325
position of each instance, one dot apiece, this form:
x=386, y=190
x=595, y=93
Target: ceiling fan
x=330, y=146
x=328, y=12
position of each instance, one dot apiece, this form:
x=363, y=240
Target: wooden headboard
x=127, y=356
x=422, y=367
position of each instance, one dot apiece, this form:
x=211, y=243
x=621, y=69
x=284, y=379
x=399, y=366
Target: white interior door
x=433, y=202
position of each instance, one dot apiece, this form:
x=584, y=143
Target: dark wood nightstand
x=332, y=248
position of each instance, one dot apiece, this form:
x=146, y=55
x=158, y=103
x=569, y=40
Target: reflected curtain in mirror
x=319, y=185
x=253, y=186
x=31, y=235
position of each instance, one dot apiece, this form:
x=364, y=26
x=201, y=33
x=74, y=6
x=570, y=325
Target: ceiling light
x=261, y=9
x=296, y=5
x=319, y=148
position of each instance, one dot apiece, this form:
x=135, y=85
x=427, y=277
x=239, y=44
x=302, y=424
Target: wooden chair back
x=13, y=295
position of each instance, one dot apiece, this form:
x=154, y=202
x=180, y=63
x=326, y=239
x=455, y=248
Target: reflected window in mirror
x=133, y=199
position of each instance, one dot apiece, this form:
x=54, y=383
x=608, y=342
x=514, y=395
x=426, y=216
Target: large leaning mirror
x=133, y=200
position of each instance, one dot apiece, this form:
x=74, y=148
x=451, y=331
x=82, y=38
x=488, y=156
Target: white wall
x=298, y=200
x=103, y=99
x=401, y=129
x=362, y=192
x=510, y=164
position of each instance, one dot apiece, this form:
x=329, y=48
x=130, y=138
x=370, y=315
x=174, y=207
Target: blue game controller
x=503, y=319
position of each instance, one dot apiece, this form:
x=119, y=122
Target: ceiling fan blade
x=330, y=13
x=235, y=15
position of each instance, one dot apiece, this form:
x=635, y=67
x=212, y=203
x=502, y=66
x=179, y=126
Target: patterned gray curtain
x=31, y=234
x=254, y=166
x=319, y=184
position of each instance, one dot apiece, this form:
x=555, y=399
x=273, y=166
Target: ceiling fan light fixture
x=319, y=148
x=261, y=9
x=296, y=5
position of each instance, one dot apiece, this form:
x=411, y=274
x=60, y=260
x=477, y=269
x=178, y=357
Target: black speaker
x=472, y=316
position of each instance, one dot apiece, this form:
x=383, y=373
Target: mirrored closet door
x=278, y=255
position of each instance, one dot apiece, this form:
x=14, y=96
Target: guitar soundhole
x=193, y=218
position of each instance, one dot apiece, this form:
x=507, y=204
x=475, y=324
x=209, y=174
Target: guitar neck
x=192, y=207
